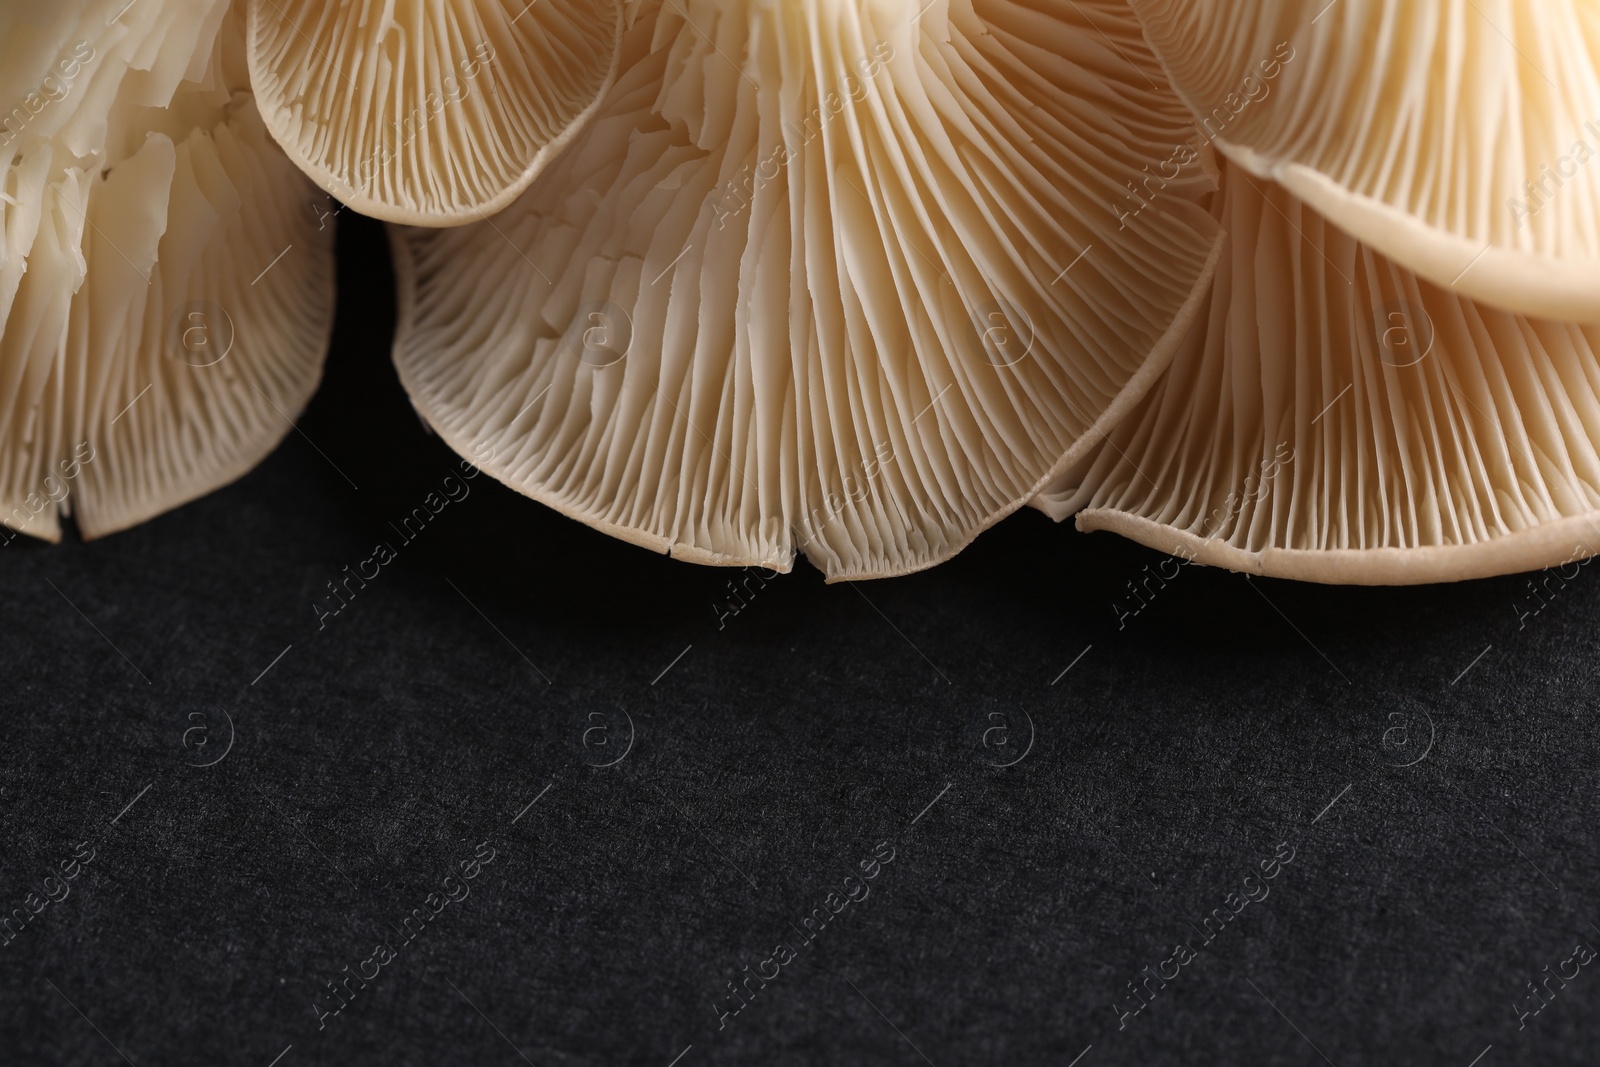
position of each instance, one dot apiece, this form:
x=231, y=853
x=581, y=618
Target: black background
x=773, y=755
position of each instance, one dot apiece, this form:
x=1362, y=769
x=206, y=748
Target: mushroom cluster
x=1299, y=289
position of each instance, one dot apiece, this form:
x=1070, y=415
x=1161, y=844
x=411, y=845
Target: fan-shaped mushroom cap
x=429, y=112
x=1337, y=419
x=853, y=278
x=165, y=289
x=1457, y=137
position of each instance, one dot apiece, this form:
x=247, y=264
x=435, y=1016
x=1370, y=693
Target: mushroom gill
x=1339, y=419
x=429, y=112
x=1456, y=137
x=166, y=289
x=845, y=277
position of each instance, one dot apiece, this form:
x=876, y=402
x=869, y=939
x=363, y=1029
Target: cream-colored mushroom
x=166, y=286
x=1457, y=137
x=1338, y=419
x=852, y=278
x=429, y=112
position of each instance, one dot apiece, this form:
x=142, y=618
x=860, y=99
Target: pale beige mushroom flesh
x=1459, y=138
x=853, y=279
x=1339, y=419
x=166, y=287
x=429, y=112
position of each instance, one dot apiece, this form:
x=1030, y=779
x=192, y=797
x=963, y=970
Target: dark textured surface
x=773, y=756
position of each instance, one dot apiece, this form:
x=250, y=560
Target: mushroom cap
x=429, y=112
x=1339, y=419
x=843, y=277
x=1456, y=137
x=166, y=288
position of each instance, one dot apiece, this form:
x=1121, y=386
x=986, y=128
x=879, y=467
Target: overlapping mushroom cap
x=1339, y=419
x=1457, y=137
x=842, y=277
x=429, y=112
x=165, y=288
x=1370, y=399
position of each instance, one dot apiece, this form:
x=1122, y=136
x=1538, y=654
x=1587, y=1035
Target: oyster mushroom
x=166, y=290
x=1456, y=137
x=853, y=278
x=1339, y=419
x=429, y=112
